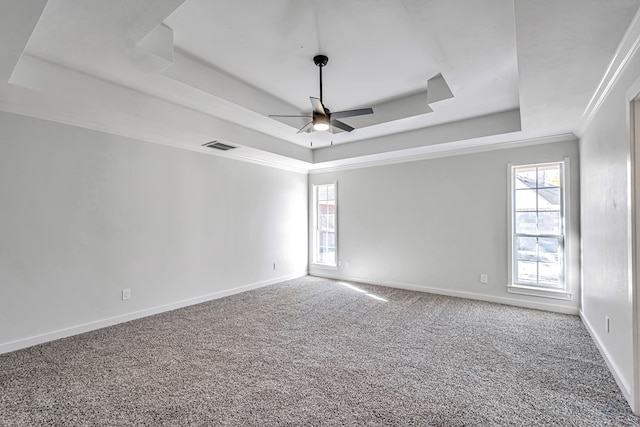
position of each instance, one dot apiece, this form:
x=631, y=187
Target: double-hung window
x=325, y=225
x=537, y=230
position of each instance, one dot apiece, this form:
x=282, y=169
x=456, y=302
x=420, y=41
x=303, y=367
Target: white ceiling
x=185, y=72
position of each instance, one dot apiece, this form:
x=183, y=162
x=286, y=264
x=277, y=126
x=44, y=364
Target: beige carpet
x=317, y=352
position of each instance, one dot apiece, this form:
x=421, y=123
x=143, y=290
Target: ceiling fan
x=322, y=119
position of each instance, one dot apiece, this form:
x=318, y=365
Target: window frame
x=316, y=236
x=564, y=293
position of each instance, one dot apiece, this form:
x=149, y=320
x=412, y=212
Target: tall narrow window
x=538, y=228
x=325, y=204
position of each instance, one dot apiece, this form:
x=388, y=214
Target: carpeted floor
x=313, y=351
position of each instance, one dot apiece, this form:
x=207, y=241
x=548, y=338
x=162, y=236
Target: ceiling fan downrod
x=320, y=61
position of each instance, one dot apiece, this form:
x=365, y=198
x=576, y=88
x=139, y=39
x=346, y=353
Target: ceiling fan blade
x=284, y=115
x=341, y=125
x=351, y=113
x=317, y=106
x=306, y=128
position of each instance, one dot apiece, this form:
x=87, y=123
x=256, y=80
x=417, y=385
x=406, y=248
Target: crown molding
x=452, y=149
x=626, y=50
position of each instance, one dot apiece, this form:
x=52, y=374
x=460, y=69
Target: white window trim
x=325, y=266
x=314, y=263
x=539, y=292
x=563, y=294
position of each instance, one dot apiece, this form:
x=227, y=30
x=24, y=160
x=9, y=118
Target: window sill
x=325, y=266
x=539, y=292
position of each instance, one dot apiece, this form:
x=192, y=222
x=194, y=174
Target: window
x=325, y=204
x=537, y=230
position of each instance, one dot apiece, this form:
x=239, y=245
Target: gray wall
x=84, y=214
x=438, y=224
x=606, y=235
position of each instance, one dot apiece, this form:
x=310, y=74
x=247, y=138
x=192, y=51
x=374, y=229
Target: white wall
x=84, y=214
x=605, y=179
x=437, y=224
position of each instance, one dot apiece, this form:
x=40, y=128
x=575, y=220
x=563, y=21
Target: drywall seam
x=99, y=324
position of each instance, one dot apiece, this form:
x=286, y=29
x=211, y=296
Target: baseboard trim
x=625, y=388
x=460, y=294
x=99, y=324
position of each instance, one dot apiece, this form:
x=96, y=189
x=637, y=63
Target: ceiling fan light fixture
x=322, y=119
x=320, y=123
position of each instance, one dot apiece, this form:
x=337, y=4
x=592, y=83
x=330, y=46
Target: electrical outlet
x=126, y=294
x=348, y=264
x=484, y=278
x=607, y=324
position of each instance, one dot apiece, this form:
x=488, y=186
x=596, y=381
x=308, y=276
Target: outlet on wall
x=484, y=278
x=126, y=294
x=348, y=264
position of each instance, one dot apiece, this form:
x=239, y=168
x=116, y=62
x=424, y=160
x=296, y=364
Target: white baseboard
x=615, y=371
x=98, y=324
x=461, y=294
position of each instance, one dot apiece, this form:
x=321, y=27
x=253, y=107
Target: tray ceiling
x=186, y=72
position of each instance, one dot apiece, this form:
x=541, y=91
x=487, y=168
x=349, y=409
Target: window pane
x=550, y=274
x=322, y=222
x=331, y=222
x=526, y=222
x=549, y=176
x=525, y=177
x=331, y=193
x=527, y=273
x=549, y=223
x=331, y=207
x=549, y=199
x=526, y=248
x=549, y=249
x=526, y=200
x=324, y=239
x=326, y=247
x=322, y=192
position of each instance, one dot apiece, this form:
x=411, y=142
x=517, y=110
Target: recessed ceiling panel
x=185, y=72
x=373, y=52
